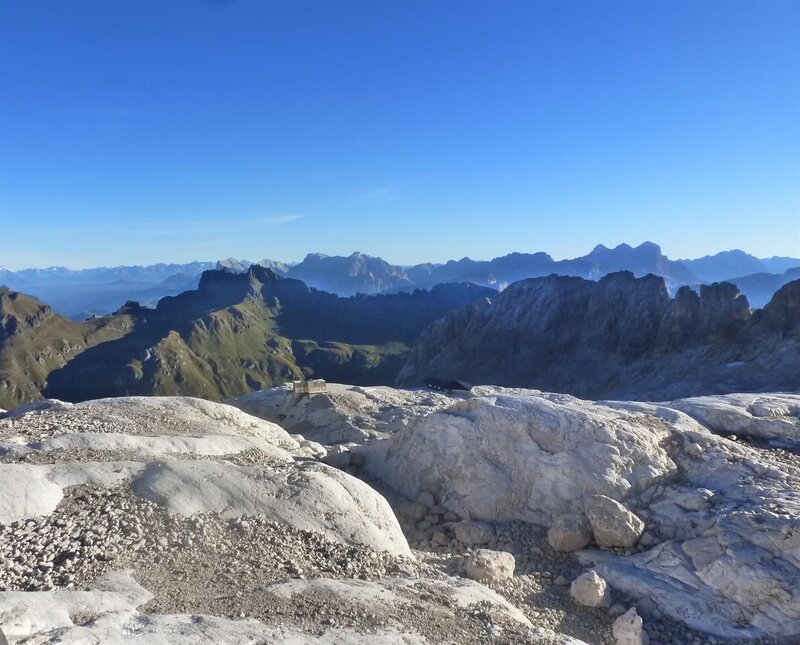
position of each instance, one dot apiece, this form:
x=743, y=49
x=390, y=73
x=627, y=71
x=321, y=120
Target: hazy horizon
x=256, y=258
x=412, y=131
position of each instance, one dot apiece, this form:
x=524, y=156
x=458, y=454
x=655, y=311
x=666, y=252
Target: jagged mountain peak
x=619, y=336
x=645, y=248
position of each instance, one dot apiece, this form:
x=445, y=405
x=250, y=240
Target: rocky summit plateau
x=362, y=515
x=598, y=460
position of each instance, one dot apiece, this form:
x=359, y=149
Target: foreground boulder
x=139, y=443
x=590, y=590
x=628, y=629
x=613, y=525
x=520, y=456
x=490, y=565
x=721, y=552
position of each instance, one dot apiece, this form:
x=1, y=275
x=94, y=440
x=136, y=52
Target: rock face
x=347, y=276
x=517, y=456
x=613, y=525
x=722, y=517
x=621, y=337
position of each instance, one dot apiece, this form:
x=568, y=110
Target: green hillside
x=234, y=334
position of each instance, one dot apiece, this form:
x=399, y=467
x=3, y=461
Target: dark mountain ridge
x=724, y=265
x=242, y=331
x=621, y=337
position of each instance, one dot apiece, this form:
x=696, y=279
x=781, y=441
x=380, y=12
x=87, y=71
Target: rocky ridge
x=699, y=515
x=234, y=334
x=530, y=517
x=178, y=519
x=620, y=337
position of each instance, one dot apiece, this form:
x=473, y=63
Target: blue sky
x=144, y=131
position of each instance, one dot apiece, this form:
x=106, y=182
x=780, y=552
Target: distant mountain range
x=82, y=293
x=235, y=333
x=79, y=294
x=619, y=337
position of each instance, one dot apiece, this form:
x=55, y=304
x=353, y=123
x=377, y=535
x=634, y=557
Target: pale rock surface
x=51, y=405
x=590, y=590
x=208, y=445
x=485, y=564
x=201, y=501
x=391, y=592
x=570, y=532
x=628, y=629
x=763, y=416
x=46, y=617
x=166, y=449
x=722, y=552
x=345, y=413
x=522, y=455
x=26, y=492
x=613, y=525
x=309, y=497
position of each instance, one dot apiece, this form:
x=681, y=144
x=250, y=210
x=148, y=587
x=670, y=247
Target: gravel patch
x=208, y=565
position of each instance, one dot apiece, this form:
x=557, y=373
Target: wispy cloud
x=379, y=195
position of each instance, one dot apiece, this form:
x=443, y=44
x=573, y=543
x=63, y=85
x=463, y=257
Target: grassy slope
x=31, y=352
x=236, y=334
x=236, y=350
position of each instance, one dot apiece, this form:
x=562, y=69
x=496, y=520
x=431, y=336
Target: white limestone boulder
x=530, y=457
x=569, y=532
x=612, y=524
x=311, y=497
x=25, y=491
x=763, y=416
x=590, y=590
x=182, y=453
x=485, y=564
x=472, y=532
x=628, y=629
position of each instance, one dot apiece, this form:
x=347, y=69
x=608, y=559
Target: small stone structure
x=309, y=388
